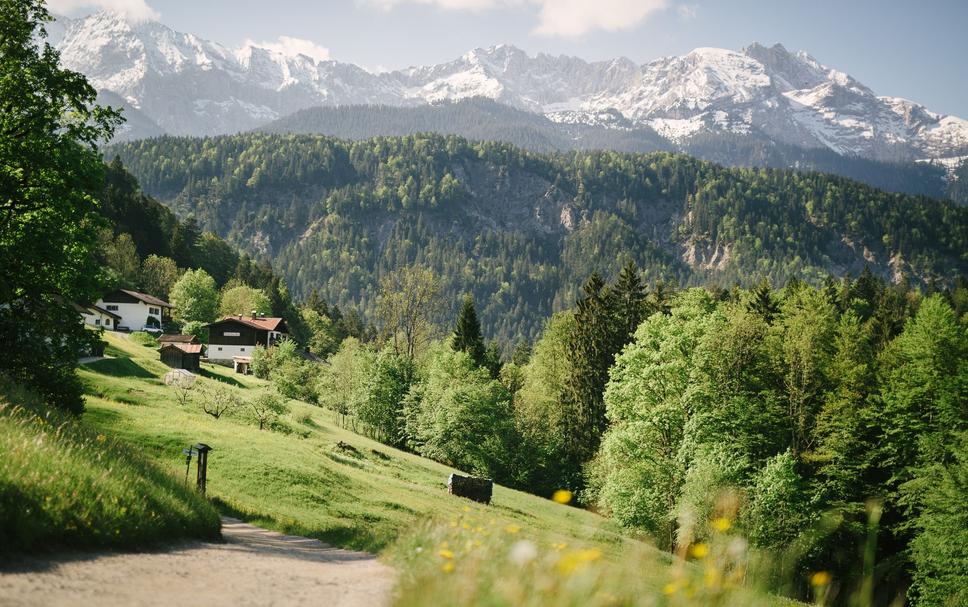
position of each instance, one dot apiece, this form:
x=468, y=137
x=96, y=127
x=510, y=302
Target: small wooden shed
x=181, y=355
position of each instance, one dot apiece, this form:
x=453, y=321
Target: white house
x=98, y=317
x=137, y=311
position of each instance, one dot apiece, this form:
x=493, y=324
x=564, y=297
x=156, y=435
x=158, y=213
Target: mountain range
x=177, y=83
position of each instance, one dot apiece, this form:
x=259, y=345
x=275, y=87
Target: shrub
x=218, y=401
x=297, y=379
x=196, y=328
x=266, y=409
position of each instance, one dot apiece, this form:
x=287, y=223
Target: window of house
x=220, y=348
x=97, y=322
x=112, y=308
x=107, y=321
x=243, y=349
x=155, y=311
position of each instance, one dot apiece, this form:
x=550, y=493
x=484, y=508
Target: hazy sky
x=917, y=50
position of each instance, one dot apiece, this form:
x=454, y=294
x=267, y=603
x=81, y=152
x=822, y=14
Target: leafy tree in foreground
x=50, y=171
x=158, y=275
x=195, y=297
x=244, y=300
x=379, y=402
x=409, y=306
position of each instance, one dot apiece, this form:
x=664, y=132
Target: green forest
x=773, y=359
x=520, y=231
x=826, y=425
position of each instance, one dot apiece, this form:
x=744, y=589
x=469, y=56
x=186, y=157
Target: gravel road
x=252, y=567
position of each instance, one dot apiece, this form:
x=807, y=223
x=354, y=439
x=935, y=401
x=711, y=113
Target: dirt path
x=252, y=567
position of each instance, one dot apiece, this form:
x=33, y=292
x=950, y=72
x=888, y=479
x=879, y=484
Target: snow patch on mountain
x=186, y=85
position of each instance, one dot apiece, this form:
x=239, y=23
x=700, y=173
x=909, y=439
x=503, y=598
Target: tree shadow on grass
x=120, y=367
x=216, y=377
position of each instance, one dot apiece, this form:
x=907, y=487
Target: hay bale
x=477, y=489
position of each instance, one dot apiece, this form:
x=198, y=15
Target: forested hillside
x=521, y=230
x=485, y=119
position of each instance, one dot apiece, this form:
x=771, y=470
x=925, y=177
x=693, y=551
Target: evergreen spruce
x=630, y=307
x=761, y=301
x=593, y=344
x=467, y=333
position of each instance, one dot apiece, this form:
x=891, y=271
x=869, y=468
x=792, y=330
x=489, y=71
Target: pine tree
x=467, y=333
x=593, y=344
x=629, y=302
x=761, y=301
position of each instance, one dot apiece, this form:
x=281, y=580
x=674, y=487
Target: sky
x=917, y=50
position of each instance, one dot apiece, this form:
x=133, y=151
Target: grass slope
x=65, y=485
x=521, y=550
x=302, y=481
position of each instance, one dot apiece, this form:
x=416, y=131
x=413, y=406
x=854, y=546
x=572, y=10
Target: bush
x=266, y=409
x=196, y=328
x=144, y=339
x=378, y=403
x=297, y=379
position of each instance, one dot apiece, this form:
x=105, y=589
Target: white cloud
x=572, y=18
x=566, y=18
x=134, y=10
x=688, y=12
x=290, y=47
x=465, y=5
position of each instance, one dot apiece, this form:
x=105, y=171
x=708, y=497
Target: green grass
x=297, y=482
x=449, y=551
x=65, y=485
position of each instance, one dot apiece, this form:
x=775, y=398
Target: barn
x=178, y=355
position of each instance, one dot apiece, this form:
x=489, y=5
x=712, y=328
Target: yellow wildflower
x=699, y=550
x=670, y=588
x=101, y=438
x=447, y=554
x=447, y=567
x=512, y=529
x=562, y=496
x=721, y=524
x=820, y=578
x=573, y=560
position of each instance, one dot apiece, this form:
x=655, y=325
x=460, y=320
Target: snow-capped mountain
x=182, y=84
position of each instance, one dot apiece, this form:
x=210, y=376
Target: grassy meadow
x=66, y=485
x=309, y=476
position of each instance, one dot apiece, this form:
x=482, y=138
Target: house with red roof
x=237, y=336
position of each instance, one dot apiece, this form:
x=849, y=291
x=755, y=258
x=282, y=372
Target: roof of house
x=176, y=338
x=101, y=310
x=186, y=348
x=148, y=299
x=93, y=308
x=264, y=323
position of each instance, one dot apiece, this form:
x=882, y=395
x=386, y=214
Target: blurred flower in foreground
x=820, y=578
x=699, y=550
x=562, y=496
x=523, y=552
x=721, y=524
